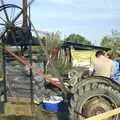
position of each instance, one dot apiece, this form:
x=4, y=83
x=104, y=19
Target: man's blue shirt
x=116, y=71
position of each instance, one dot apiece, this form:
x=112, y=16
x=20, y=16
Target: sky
x=92, y=19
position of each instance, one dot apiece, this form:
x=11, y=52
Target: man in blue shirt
x=116, y=71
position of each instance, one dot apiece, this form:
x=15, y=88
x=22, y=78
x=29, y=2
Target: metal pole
x=30, y=58
x=4, y=70
x=31, y=74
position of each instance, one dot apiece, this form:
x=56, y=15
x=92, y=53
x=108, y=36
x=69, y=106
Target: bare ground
x=41, y=114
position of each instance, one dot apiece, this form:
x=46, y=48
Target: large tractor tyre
x=92, y=96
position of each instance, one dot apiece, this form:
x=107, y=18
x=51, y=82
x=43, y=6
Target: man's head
x=100, y=53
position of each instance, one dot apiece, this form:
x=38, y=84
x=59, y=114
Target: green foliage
x=41, y=58
x=53, y=40
x=112, y=42
x=59, y=67
x=78, y=38
x=49, y=42
x=53, y=43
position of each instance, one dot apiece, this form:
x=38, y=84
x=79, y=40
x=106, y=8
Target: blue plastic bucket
x=52, y=106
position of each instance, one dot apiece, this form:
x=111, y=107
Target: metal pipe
x=30, y=58
x=4, y=70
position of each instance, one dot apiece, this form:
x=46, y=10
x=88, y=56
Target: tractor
x=85, y=95
x=91, y=95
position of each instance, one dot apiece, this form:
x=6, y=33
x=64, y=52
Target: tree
x=113, y=42
x=52, y=40
x=77, y=38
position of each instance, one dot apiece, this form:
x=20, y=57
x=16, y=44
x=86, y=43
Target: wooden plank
x=105, y=115
x=19, y=100
x=18, y=109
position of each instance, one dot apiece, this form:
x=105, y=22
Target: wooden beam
x=21, y=100
x=105, y=115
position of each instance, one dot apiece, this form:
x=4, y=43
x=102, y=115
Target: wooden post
x=25, y=23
